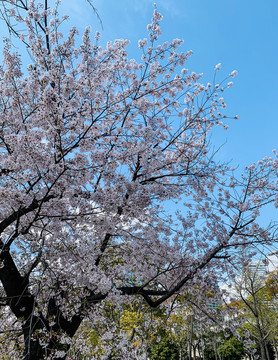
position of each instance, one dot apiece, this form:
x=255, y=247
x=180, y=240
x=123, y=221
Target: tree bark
x=22, y=303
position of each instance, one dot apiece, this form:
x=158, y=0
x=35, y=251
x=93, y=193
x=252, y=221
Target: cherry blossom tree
x=109, y=189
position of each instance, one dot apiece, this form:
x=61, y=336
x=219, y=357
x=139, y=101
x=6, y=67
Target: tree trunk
x=34, y=331
x=261, y=340
x=190, y=340
x=32, y=347
x=276, y=350
x=215, y=351
x=34, y=327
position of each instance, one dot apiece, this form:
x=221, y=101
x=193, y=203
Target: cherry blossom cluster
x=108, y=186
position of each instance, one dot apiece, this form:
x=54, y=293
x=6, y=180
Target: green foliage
x=259, y=309
x=231, y=349
x=272, y=285
x=164, y=348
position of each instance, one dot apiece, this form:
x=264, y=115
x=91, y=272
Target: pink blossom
x=94, y=148
x=233, y=73
x=218, y=67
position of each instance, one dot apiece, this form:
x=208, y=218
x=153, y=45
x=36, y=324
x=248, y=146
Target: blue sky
x=239, y=34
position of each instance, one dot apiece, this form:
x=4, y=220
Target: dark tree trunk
x=22, y=303
x=32, y=347
x=33, y=339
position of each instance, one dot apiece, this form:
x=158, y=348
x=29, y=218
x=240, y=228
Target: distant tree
x=271, y=290
x=164, y=348
x=231, y=349
x=223, y=345
x=93, y=149
x=256, y=304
